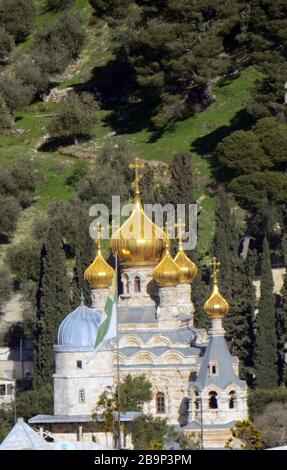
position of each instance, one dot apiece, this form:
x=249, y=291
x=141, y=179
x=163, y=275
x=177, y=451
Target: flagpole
x=118, y=359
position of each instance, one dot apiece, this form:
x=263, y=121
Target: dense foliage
x=266, y=371
x=53, y=303
x=77, y=117
x=18, y=17
x=259, y=399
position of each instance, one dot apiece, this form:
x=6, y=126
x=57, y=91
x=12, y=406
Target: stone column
x=184, y=302
x=99, y=298
x=168, y=311
x=216, y=327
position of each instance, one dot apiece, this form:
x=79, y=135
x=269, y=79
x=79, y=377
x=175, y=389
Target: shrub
x=6, y=119
x=60, y=4
x=30, y=74
x=18, y=17
x=79, y=171
x=59, y=43
x=5, y=283
x=24, y=260
x=35, y=402
x=15, y=94
x=6, y=44
x=259, y=399
x=272, y=423
x=20, y=181
x=77, y=116
x=9, y=213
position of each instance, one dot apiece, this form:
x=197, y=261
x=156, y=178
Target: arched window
x=82, y=397
x=213, y=369
x=196, y=400
x=192, y=376
x=213, y=405
x=232, y=399
x=137, y=284
x=160, y=403
x=126, y=283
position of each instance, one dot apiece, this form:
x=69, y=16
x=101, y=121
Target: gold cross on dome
x=215, y=266
x=100, y=230
x=136, y=166
x=166, y=229
x=180, y=226
x=99, y=235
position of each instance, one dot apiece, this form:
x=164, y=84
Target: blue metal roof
x=217, y=350
x=79, y=329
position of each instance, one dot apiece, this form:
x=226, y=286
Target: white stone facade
x=157, y=339
x=78, y=381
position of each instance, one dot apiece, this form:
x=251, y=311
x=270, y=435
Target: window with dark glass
x=213, y=405
x=160, y=403
x=79, y=365
x=137, y=284
x=232, y=399
x=82, y=397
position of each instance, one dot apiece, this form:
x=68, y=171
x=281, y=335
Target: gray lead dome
x=79, y=329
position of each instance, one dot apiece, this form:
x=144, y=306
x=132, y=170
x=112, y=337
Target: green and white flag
x=108, y=327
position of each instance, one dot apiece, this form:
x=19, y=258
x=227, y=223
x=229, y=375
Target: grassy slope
x=230, y=99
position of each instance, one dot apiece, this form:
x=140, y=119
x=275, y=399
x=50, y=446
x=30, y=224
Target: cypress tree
x=181, y=187
x=53, y=303
x=250, y=290
x=281, y=321
x=235, y=284
x=226, y=240
x=84, y=255
x=266, y=340
x=199, y=296
x=239, y=321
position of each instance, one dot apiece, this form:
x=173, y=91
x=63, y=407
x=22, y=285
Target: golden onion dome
x=138, y=242
x=99, y=274
x=216, y=306
x=188, y=269
x=167, y=273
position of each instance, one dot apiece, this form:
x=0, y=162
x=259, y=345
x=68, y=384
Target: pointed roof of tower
x=23, y=437
x=217, y=351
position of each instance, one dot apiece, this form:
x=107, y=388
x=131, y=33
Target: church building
x=195, y=380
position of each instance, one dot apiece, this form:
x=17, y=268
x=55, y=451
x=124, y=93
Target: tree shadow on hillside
x=206, y=145
x=54, y=143
x=114, y=86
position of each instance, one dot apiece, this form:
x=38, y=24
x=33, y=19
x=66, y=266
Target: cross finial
x=99, y=235
x=82, y=298
x=180, y=226
x=166, y=231
x=215, y=266
x=113, y=226
x=136, y=166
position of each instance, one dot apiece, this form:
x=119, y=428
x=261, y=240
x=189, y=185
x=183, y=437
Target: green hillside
x=215, y=122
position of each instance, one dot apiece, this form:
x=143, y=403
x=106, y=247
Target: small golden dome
x=167, y=273
x=138, y=242
x=99, y=274
x=216, y=306
x=188, y=269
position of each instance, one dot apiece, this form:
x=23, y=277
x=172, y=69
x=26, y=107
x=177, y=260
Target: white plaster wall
x=93, y=378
